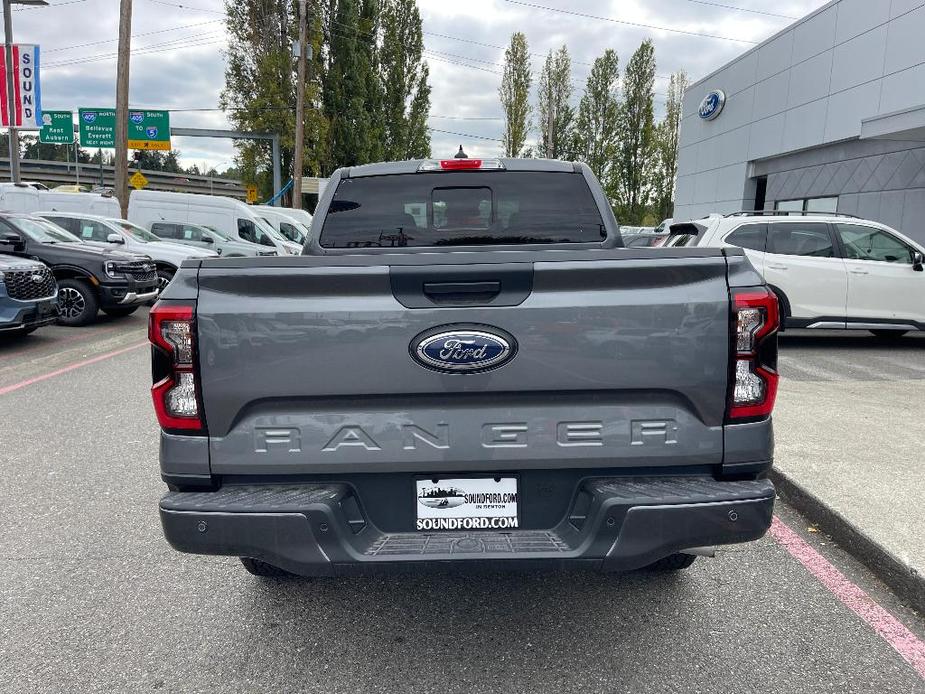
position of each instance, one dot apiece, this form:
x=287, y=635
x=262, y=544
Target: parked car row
x=66, y=256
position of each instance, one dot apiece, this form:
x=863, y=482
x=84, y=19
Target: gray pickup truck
x=465, y=367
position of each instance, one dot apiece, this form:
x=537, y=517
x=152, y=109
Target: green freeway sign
x=97, y=127
x=57, y=128
x=146, y=129
x=149, y=130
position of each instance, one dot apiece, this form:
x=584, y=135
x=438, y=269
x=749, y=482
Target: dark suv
x=89, y=278
x=28, y=296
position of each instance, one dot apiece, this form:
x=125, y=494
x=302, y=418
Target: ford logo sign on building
x=712, y=104
x=463, y=350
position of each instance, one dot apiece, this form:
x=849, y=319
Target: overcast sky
x=178, y=61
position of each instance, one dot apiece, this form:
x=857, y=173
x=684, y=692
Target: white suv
x=829, y=271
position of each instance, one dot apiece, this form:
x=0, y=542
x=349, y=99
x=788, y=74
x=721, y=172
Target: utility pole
x=300, y=108
x=122, y=75
x=551, y=130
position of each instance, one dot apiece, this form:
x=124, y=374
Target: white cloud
x=178, y=64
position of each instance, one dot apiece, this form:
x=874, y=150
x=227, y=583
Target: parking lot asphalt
x=93, y=600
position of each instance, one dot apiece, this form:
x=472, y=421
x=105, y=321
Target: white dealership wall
x=854, y=70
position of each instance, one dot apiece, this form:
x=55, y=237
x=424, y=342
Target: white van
x=288, y=224
x=230, y=217
x=25, y=198
x=302, y=216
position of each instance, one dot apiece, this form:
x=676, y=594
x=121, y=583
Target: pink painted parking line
x=890, y=629
x=86, y=362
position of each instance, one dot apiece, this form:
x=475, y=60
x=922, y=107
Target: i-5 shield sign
x=149, y=130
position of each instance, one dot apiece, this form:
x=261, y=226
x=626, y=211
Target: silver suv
x=201, y=236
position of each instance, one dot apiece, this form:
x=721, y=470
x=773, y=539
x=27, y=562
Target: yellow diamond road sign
x=138, y=180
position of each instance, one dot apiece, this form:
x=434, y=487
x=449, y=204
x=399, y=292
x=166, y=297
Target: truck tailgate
x=622, y=360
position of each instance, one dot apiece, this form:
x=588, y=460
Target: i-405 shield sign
x=27, y=102
x=149, y=130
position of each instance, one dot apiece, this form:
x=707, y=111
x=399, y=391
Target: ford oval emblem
x=463, y=349
x=712, y=104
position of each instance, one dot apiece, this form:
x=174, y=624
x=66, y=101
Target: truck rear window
x=461, y=209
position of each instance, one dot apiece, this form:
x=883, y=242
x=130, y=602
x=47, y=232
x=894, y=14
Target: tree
x=666, y=147
x=344, y=94
x=597, y=127
x=31, y=148
x=515, y=95
x=259, y=91
x=555, y=111
x=636, y=135
x=369, y=65
x=153, y=160
x=404, y=77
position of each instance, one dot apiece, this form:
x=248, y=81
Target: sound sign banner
x=27, y=102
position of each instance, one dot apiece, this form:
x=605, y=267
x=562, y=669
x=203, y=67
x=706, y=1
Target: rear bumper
x=614, y=524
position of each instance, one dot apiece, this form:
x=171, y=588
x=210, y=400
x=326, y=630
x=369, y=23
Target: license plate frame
x=476, y=503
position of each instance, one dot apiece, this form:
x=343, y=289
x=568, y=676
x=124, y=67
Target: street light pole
x=300, y=110
x=11, y=90
x=122, y=75
x=10, y=87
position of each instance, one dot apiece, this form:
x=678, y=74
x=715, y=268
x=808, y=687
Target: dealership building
x=827, y=115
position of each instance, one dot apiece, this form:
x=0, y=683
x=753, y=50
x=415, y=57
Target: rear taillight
x=754, y=378
x=172, y=333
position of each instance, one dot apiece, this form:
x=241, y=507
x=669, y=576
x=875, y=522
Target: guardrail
x=56, y=173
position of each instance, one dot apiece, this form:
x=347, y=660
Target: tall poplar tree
x=404, y=76
x=666, y=147
x=597, y=127
x=556, y=114
x=369, y=65
x=515, y=95
x=345, y=88
x=260, y=78
x=636, y=135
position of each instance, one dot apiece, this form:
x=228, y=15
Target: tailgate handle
x=460, y=292
x=432, y=284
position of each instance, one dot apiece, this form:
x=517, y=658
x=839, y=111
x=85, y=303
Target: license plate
x=467, y=503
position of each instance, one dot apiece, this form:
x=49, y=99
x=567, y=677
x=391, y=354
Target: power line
x=575, y=13
x=455, y=62
x=492, y=118
x=134, y=36
x=45, y=7
x=187, y=7
x=154, y=48
x=469, y=135
x=742, y=9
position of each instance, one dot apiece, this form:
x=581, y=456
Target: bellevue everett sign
x=146, y=129
x=97, y=127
